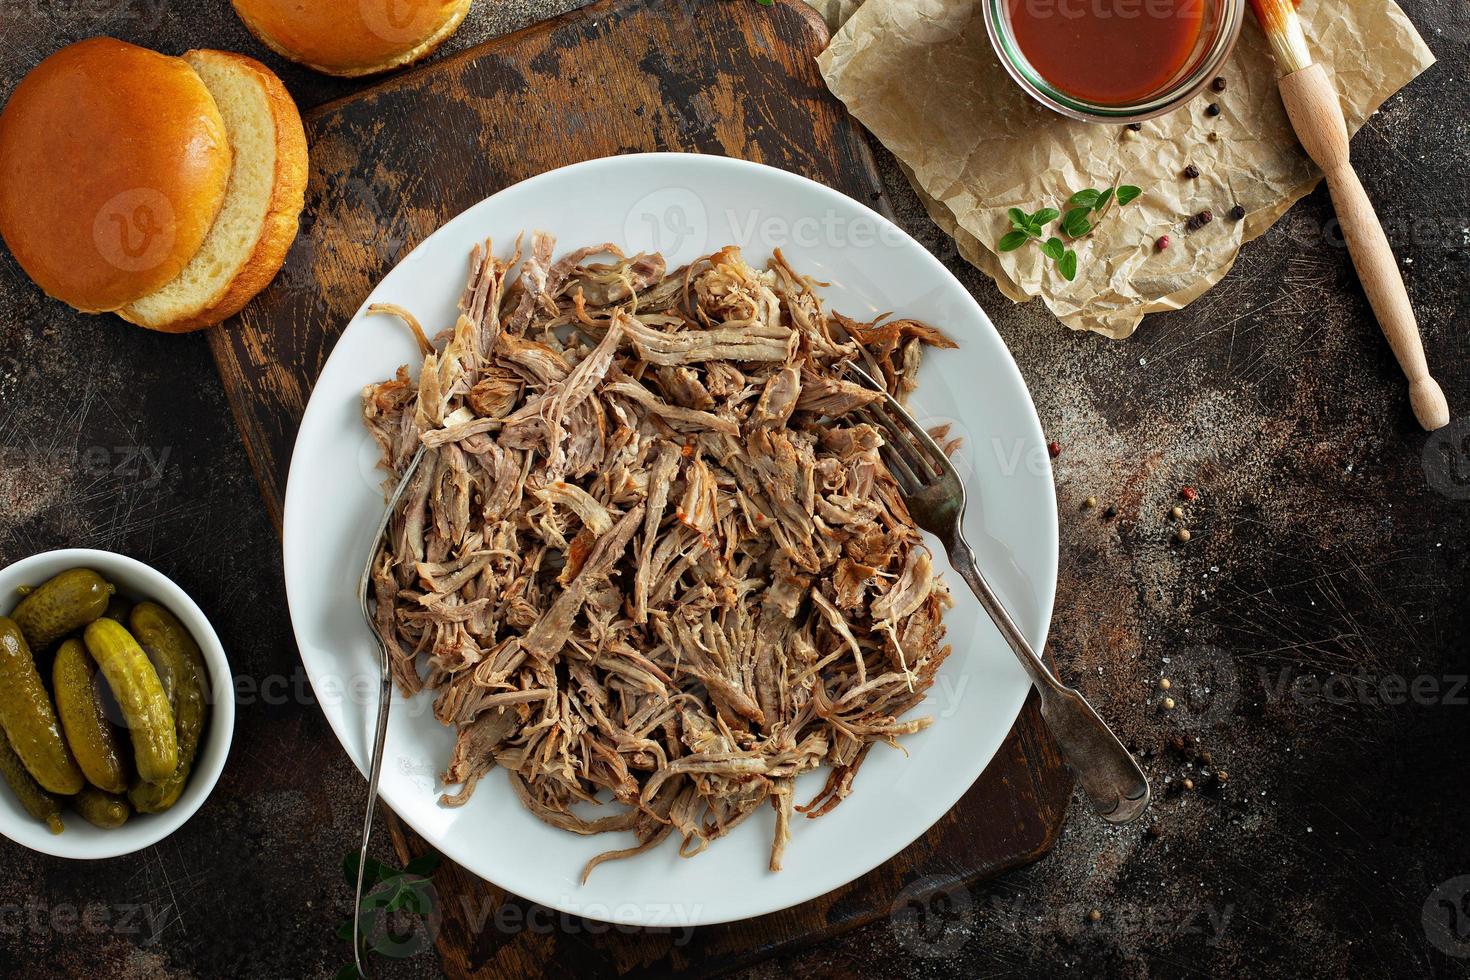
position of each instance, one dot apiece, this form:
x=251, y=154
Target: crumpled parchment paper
x=921, y=75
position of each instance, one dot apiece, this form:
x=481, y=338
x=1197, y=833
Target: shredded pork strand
x=651, y=560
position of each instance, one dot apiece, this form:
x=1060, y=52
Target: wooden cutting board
x=393, y=163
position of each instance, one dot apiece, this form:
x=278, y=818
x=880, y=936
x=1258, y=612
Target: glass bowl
x=1220, y=26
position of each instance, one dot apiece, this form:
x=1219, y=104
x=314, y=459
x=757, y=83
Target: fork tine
x=908, y=482
x=892, y=415
x=898, y=441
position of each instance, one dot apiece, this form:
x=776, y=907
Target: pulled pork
x=652, y=555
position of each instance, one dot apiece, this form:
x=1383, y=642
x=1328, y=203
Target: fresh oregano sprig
x=1085, y=211
x=386, y=890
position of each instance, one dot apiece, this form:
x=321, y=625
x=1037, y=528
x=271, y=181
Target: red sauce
x=1107, y=51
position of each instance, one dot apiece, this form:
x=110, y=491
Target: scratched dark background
x=1327, y=570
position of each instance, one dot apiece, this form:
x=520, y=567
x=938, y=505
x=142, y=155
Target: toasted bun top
x=349, y=37
x=113, y=164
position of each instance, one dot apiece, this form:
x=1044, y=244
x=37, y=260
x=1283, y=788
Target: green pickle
x=28, y=718
x=105, y=810
x=83, y=719
x=64, y=604
x=40, y=804
x=185, y=678
x=140, y=696
x=118, y=608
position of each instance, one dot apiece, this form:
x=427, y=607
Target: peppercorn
x=1165, y=683
x=1198, y=221
x=1191, y=171
x=1162, y=243
x=1110, y=513
x=1188, y=783
x=1054, y=449
x=1089, y=503
x=1168, y=704
x=1218, y=84
x=1213, y=109
x=1222, y=776
x=1154, y=829
x=1236, y=213
x=1189, y=493
x=1206, y=757
x=1177, y=743
x=1135, y=126
x=1182, y=535
x=1176, y=512
x=1094, y=915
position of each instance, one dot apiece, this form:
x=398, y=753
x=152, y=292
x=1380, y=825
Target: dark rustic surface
x=1330, y=546
x=615, y=77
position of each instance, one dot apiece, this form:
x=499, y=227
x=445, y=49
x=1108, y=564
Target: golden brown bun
x=113, y=164
x=258, y=221
x=352, y=37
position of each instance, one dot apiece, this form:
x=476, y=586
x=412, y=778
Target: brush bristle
x=1284, y=30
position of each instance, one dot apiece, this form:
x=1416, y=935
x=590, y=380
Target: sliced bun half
x=257, y=220
x=352, y=37
x=113, y=165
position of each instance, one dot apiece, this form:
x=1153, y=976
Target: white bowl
x=136, y=581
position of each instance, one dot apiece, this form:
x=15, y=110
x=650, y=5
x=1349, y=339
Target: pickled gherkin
x=140, y=696
x=37, y=802
x=62, y=605
x=28, y=718
x=105, y=810
x=83, y=720
x=181, y=668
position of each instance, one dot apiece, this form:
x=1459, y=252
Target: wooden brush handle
x=1316, y=115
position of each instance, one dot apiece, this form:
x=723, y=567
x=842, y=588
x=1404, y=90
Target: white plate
x=684, y=206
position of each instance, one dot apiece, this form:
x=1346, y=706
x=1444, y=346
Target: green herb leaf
x=766, y=3
x=423, y=865
x=1084, y=199
x=1076, y=223
x=344, y=931
x=1044, y=216
x=1012, y=240
x=350, y=972
x=1067, y=265
x=1127, y=192
x=1019, y=219
x=1053, y=248
x=376, y=871
x=1103, y=199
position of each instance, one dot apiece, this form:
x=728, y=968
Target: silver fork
x=385, y=698
x=1111, y=779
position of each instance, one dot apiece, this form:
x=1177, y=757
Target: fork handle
x=375, y=772
x=1112, y=781
x=962, y=557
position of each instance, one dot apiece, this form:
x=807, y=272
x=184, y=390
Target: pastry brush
x=1316, y=115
